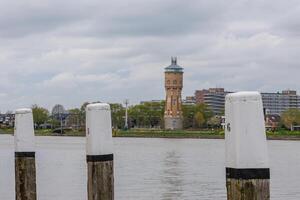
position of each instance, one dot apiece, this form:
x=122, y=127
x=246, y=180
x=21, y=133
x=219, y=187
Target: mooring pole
x=247, y=165
x=99, y=152
x=25, y=169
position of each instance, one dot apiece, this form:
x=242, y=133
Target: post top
x=98, y=106
x=245, y=134
x=244, y=96
x=24, y=130
x=98, y=129
x=23, y=111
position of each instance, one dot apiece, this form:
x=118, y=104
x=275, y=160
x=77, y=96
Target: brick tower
x=173, y=86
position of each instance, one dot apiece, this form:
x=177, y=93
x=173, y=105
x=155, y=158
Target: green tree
x=117, y=115
x=215, y=121
x=83, y=106
x=148, y=114
x=40, y=114
x=75, y=118
x=82, y=112
x=190, y=120
x=188, y=112
x=290, y=117
x=54, y=122
x=75, y=111
x=199, y=119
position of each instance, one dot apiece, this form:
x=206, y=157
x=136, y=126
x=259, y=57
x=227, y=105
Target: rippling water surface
x=147, y=169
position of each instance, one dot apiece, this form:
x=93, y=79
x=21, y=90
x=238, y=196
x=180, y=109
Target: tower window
x=174, y=101
x=175, y=82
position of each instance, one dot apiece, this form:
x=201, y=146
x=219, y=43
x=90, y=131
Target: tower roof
x=174, y=67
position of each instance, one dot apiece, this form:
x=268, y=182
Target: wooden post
x=247, y=165
x=99, y=152
x=25, y=170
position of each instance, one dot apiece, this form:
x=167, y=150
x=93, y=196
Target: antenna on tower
x=174, y=60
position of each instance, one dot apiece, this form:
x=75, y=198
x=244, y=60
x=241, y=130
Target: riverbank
x=145, y=133
x=207, y=134
x=170, y=134
x=48, y=132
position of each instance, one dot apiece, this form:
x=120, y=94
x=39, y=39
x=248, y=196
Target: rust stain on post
x=100, y=180
x=25, y=178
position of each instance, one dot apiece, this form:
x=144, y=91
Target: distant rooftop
x=284, y=92
x=174, y=67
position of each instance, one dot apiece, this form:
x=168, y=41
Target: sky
x=69, y=52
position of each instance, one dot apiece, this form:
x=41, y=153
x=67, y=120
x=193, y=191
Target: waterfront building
x=189, y=100
x=214, y=98
x=276, y=103
x=273, y=103
x=173, y=86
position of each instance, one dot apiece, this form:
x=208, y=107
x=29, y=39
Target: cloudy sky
x=69, y=52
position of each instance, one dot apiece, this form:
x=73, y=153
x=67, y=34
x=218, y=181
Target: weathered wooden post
x=25, y=171
x=99, y=152
x=247, y=165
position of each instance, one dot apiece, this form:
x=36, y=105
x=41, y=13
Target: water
x=147, y=169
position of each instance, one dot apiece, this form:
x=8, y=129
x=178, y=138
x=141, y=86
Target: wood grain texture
x=100, y=180
x=25, y=178
x=251, y=189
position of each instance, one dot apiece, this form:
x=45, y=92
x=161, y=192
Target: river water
x=147, y=169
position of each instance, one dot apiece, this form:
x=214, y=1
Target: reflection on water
x=171, y=178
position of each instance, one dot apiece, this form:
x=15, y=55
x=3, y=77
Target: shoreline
x=286, y=138
x=200, y=134
x=171, y=135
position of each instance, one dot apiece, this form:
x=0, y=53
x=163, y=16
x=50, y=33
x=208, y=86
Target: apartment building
x=276, y=103
x=212, y=97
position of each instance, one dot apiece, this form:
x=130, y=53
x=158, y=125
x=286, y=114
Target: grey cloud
x=112, y=50
x=167, y=19
x=289, y=23
x=151, y=18
x=19, y=19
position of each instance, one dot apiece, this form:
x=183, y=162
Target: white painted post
x=247, y=165
x=25, y=169
x=99, y=152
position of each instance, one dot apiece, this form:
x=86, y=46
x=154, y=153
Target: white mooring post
x=99, y=152
x=25, y=169
x=247, y=165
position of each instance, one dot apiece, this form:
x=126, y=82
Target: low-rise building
x=189, y=100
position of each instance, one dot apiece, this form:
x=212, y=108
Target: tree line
x=144, y=115
x=151, y=115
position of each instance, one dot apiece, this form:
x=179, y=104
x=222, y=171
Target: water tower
x=173, y=86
